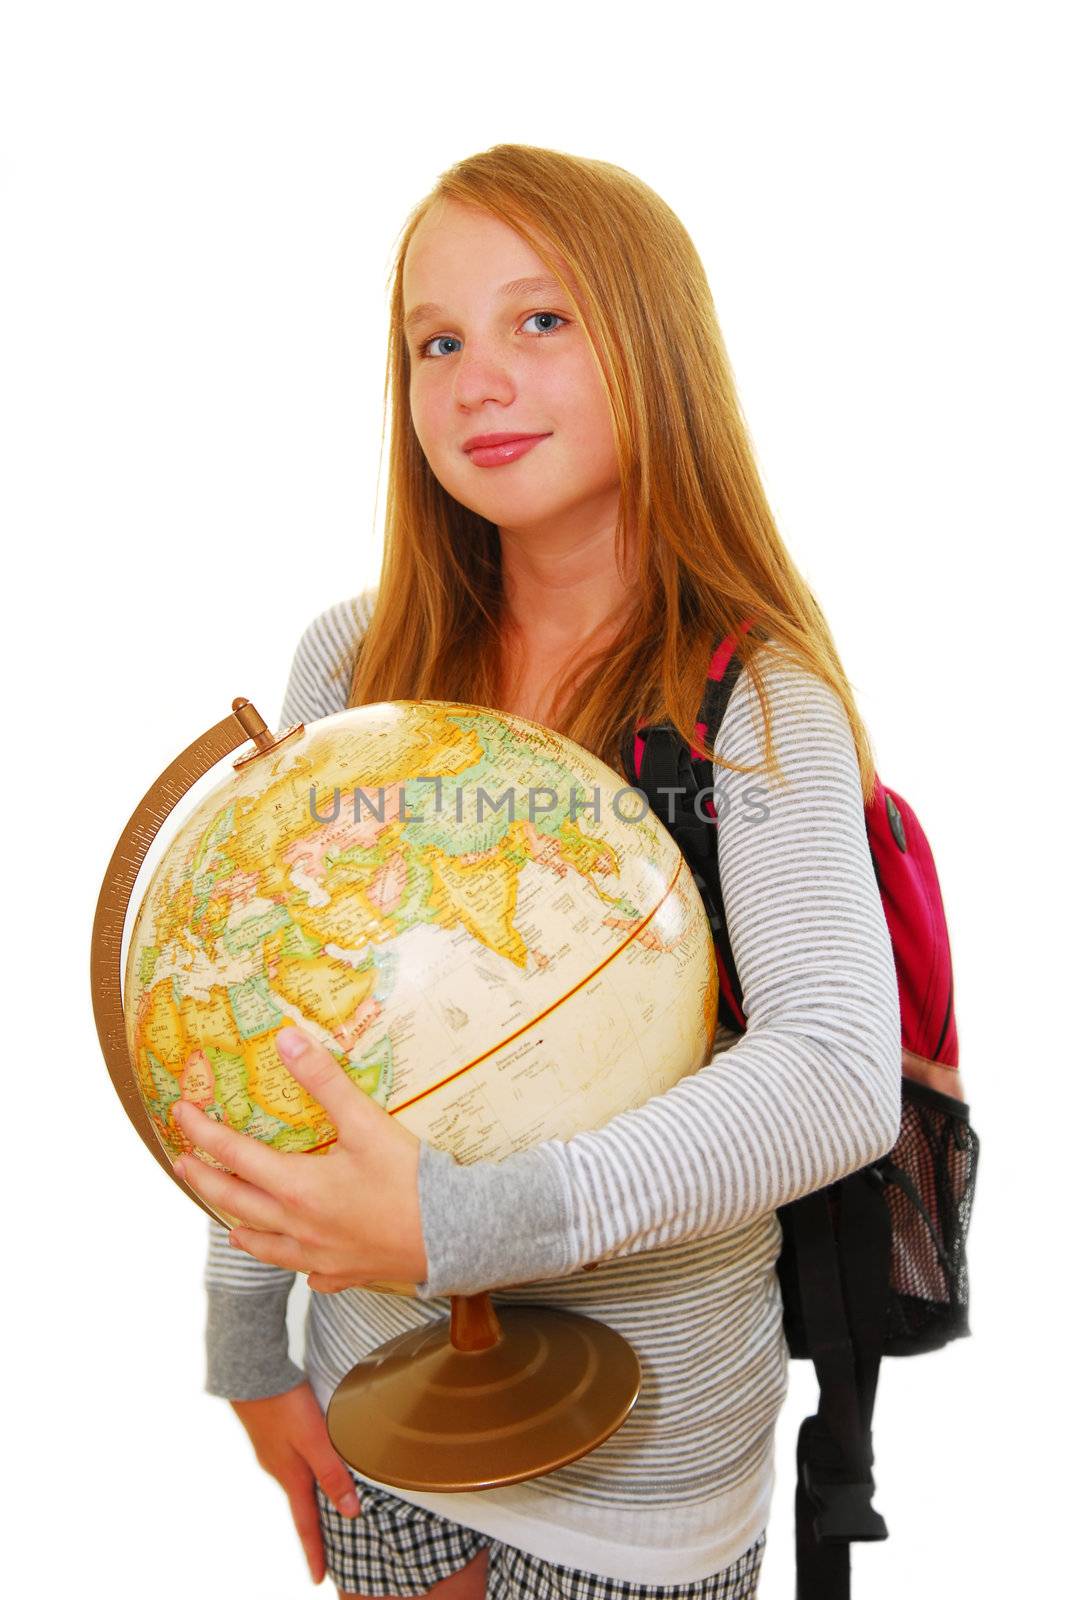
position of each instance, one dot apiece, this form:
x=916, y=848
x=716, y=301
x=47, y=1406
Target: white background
x=199, y=207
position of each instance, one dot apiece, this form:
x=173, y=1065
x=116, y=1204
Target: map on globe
x=496, y=972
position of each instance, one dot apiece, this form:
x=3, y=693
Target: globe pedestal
x=491, y=1397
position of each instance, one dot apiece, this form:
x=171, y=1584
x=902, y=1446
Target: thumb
x=316, y=1069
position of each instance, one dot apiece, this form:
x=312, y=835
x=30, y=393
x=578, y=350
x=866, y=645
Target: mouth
x=496, y=449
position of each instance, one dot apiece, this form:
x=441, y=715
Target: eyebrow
x=517, y=286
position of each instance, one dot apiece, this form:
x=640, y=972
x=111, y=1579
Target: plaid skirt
x=396, y=1548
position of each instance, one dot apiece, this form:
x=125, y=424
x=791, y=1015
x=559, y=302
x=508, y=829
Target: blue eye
x=424, y=350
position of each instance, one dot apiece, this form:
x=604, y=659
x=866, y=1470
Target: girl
x=581, y=580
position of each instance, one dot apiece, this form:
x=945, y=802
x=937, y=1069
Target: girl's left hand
x=347, y=1218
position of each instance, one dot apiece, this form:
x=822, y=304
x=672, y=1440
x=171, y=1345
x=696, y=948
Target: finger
x=233, y=1195
x=277, y=1248
x=334, y=1479
x=306, y=1515
x=319, y=1456
x=272, y=1170
x=325, y=1283
x=317, y=1071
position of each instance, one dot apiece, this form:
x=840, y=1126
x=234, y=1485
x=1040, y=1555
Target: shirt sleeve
x=247, y=1351
x=811, y=1091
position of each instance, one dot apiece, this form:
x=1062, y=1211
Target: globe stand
x=489, y=1398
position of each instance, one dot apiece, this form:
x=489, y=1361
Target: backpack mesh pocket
x=929, y=1177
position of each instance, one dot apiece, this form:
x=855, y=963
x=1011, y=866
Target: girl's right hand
x=290, y=1438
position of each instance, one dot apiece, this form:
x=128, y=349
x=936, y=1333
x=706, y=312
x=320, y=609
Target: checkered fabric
x=395, y=1548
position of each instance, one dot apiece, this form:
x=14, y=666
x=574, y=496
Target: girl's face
x=492, y=356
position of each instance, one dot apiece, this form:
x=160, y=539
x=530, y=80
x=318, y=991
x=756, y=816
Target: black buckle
x=845, y=1513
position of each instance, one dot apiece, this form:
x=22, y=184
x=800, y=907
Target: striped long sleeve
x=808, y=1094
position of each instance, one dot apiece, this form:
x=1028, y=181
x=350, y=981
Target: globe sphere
x=484, y=925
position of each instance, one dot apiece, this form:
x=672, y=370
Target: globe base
x=489, y=1397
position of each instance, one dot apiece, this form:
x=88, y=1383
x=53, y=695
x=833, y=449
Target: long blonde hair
x=693, y=514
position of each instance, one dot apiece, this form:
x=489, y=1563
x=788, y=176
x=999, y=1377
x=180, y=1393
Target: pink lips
x=498, y=454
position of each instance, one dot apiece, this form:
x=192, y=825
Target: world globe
x=490, y=932
x=496, y=941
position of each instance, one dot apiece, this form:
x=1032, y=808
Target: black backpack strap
x=726, y=667
x=843, y=1283
x=721, y=680
x=668, y=779
x=677, y=780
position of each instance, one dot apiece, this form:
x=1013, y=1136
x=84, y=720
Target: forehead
x=456, y=251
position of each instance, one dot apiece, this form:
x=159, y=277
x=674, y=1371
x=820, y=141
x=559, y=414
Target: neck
x=561, y=586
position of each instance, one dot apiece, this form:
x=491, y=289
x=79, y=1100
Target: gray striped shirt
x=676, y=1199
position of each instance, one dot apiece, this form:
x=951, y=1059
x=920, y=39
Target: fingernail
x=178, y=1168
x=291, y=1043
x=349, y=1504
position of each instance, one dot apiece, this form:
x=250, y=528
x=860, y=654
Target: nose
x=483, y=372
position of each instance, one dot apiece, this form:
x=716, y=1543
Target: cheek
x=427, y=412
x=584, y=411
